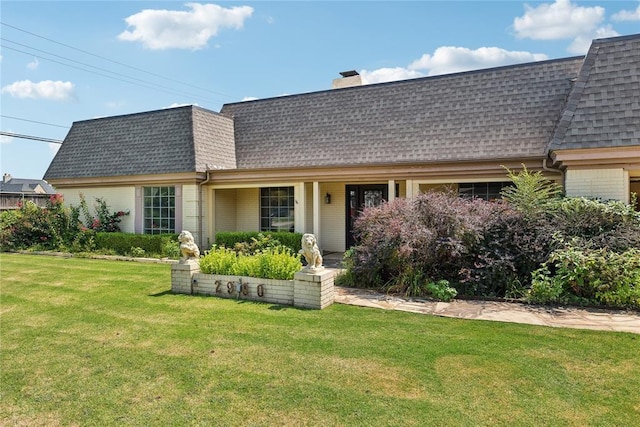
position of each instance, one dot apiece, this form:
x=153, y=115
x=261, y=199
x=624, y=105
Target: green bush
x=441, y=290
x=594, y=276
x=219, y=260
x=53, y=227
x=151, y=244
x=230, y=239
x=272, y=263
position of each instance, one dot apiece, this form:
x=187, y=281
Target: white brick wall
x=306, y=290
x=598, y=183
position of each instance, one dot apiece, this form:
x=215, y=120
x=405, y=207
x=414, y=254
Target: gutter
x=557, y=170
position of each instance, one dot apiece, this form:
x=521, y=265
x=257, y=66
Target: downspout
x=557, y=170
x=201, y=214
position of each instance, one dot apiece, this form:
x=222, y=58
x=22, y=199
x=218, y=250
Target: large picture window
x=482, y=190
x=277, y=209
x=159, y=210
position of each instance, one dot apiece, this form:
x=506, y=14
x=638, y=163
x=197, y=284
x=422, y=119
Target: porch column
x=300, y=210
x=392, y=190
x=211, y=214
x=316, y=209
x=410, y=194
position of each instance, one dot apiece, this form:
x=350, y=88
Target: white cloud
x=452, y=59
x=248, y=98
x=167, y=29
x=627, y=15
x=559, y=20
x=581, y=44
x=33, y=64
x=388, y=74
x=46, y=89
x=53, y=148
x=5, y=139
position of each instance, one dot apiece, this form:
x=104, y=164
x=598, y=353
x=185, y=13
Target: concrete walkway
x=561, y=317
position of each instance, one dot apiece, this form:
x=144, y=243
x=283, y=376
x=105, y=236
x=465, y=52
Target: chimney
x=6, y=178
x=348, y=79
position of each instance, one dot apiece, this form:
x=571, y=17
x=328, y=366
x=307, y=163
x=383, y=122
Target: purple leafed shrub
x=433, y=236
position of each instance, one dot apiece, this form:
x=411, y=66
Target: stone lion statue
x=188, y=248
x=311, y=252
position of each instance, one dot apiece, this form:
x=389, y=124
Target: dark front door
x=360, y=197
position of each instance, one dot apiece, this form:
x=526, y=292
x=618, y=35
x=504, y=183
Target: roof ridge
x=415, y=80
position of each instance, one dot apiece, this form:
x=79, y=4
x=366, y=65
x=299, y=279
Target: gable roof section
x=505, y=112
x=603, y=109
x=183, y=139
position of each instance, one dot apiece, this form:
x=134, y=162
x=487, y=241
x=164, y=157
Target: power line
x=33, y=121
x=116, y=62
x=148, y=86
x=35, y=138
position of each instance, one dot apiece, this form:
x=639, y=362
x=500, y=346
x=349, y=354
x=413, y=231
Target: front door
x=360, y=197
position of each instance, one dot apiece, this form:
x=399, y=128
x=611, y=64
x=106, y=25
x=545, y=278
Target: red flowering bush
x=105, y=220
x=56, y=227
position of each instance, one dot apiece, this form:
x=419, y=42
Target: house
x=16, y=191
x=309, y=162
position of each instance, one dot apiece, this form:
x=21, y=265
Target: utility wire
x=33, y=121
x=35, y=138
x=159, y=88
x=117, y=62
x=97, y=68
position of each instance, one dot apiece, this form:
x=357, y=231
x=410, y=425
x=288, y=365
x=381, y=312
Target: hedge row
x=229, y=239
x=151, y=244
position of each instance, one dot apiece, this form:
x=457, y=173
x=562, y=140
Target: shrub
x=272, y=263
x=530, y=192
x=230, y=239
x=50, y=228
x=598, y=276
x=105, y=220
x=279, y=263
x=441, y=290
x=595, y=224
x=257, y=244
x=219, y=260
x=434, y=235
x=151, y=244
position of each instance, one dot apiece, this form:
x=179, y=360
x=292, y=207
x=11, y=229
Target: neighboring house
x=14, y=192
x=309, y=162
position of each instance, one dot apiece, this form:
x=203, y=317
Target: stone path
x=562, y=317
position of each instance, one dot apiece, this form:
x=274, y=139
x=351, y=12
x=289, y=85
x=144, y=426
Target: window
x=159, y=210
x=482, y=190
x=276, y=209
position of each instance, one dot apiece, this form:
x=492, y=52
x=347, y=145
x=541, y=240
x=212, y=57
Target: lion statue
x=188, y=248
x=311, y=252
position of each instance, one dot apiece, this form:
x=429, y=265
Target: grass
x=92, y=342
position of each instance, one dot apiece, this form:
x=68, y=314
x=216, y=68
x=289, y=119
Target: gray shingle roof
x=514, y=112
x=603, y=109
x=497, y=113
x=25, y=186
x=183, y=139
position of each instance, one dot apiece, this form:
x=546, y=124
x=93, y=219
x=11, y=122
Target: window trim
x=291, y=207
x=139, y=208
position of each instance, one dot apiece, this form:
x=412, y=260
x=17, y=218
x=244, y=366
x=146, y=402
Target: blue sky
x=75, y=60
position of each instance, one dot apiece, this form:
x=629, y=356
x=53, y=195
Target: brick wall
x=605, y=184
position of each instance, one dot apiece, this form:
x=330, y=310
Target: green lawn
x=92, y=342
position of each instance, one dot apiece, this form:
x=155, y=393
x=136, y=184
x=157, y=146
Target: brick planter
x=307, y=289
